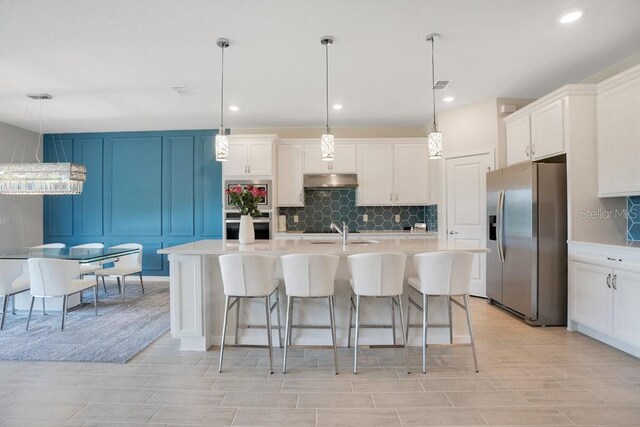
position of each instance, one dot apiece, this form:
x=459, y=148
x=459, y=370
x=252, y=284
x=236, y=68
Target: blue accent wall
x=633, y=218
x=157, y=188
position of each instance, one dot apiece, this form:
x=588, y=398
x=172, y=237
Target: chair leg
x=291, y=322
x=30, y=311
x=286, y=335
x=141, y=283
x=95, y=298
x=224, y=331
x=467, y=310
x=355, y=346
x=44, y=310
x=64, y=311
x=104, y=285
x=5, y=303
x=393, y=321
x=425, y=316
x=13, y=305
x=350, y=320
x=332, y=318
x=278, y=314
x=450, y=320
x=119, y=286
x=124, y=284
x=268, y=313
x=404, y=341
x=406, y=332
x=236, y=338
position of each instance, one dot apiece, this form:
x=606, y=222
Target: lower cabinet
x=604, y=297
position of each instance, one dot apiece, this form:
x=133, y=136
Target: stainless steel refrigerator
x=527, y=236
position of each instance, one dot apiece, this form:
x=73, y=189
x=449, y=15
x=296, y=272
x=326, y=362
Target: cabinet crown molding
x=253, y=137
x=566, y=90
x=619, y=79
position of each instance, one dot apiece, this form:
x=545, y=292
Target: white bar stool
x=309, y=276
x=378, y=275
x=446, y=274
x=250, y=276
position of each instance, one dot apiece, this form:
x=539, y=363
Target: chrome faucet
x=344, y=231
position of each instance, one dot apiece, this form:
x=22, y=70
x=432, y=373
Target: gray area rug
x=119, y=332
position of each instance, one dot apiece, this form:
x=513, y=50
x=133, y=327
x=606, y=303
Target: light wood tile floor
x=528, y=376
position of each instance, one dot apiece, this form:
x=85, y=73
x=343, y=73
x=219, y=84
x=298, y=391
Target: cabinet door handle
x=613, y=282
x=300, y=196
x=527, y=151
x=609, y=280
x=533, y=149
x=248, y=169
x=391, y=197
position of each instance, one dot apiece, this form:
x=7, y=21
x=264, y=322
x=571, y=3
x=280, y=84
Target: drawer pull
x=609, y=280
x=613, y=282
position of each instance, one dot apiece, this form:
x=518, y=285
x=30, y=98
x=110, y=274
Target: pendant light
x=40, y=178
x=434, y=138
x=222, y=139
x=327, y=143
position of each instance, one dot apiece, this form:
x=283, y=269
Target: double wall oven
x=262, y=225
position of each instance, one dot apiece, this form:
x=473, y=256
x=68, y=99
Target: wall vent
x=441, y=84
x=182, y=90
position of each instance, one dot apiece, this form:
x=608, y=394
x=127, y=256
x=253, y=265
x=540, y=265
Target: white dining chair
x=377, y=275
x=26, y=267
x=126, y=265
x=91, y=267
x=12, y=282
x=250, y=276
x=309, y=276
x=54, y=278
x=443, y=274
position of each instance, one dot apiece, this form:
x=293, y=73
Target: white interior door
x=466, y=209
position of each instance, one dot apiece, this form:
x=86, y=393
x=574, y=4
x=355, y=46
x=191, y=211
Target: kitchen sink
x=337, y=242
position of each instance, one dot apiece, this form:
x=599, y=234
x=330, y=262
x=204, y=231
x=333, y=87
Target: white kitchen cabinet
x=249, y=155
x=604, y=294
x=519, y=140
x=375, y=175
x=411, y=166
x=626, y=322
x=592, y=305
x=344, y=161
x=290, y=172
x=547, y=130
x=619, y=134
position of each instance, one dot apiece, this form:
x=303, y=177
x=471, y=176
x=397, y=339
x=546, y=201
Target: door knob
x=453, y=232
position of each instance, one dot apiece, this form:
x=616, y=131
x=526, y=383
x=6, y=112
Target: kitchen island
x=197, y=297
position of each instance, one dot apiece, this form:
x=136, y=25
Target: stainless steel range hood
x=330, y=180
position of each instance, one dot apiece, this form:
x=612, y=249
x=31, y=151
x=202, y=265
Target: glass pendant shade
x=222, y=146
x=434, y=144
x=42, y=178
x=327, y=147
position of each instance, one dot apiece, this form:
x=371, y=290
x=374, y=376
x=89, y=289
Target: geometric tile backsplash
x=322, y=207
x=633, y=221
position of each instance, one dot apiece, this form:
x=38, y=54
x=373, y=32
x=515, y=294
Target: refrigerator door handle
x=499, y=225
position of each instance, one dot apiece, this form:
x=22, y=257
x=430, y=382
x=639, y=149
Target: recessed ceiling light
x=337, y=106
x=234, y=108
x=570, y=17
x=448, y=98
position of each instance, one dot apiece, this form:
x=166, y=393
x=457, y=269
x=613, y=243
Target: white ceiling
x=111, y=64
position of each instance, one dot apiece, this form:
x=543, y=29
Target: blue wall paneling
x=159, y=189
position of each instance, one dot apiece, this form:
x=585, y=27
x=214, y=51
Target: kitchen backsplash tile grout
x=322, y=207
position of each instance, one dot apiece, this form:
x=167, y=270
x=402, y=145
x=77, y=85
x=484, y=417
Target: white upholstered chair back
x=377, y=274
x=309, y=275
x=51, y=277
x=247, y=275
x=129, y=261
x=10, y=270
x=444, y=273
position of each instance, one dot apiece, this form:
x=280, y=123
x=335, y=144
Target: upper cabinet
x=619, y=134
x=519, y=140
x=249, y=155
x=536, y=133
x=393, y=174
x=345, y=159
x=289, y=178
x=547, y=130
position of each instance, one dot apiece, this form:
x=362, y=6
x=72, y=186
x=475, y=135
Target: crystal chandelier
x=434, y=138
x=327, y=143
x=222, y=139
x=41, y=178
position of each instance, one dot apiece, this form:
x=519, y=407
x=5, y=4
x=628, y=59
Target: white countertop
x=610, y=244
x=280, y=247
x=362, y=233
